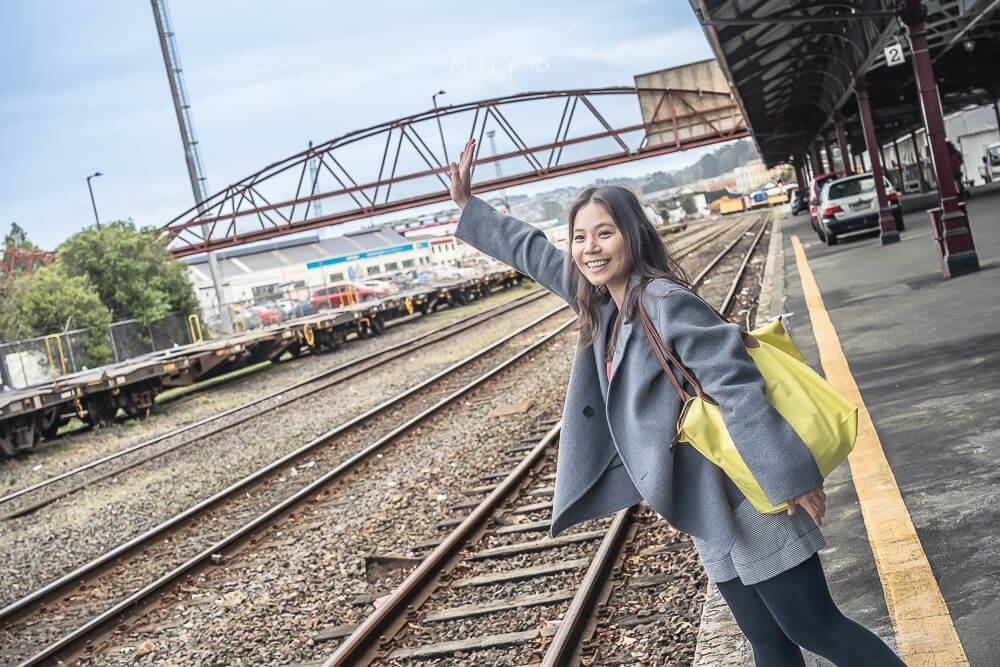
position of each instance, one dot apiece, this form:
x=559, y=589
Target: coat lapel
x=608, y=312
x=625, y=335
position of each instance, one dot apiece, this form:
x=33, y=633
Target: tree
x=51, y=297
x=131, y=270
x=17, y=238
x=687, y=203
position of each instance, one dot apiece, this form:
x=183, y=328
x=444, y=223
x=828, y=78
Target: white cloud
x=263, y=79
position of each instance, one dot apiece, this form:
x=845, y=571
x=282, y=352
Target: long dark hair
x=646, y=253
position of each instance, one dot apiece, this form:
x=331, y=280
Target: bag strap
x=665, y=357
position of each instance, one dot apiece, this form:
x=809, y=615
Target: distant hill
x=555, y=203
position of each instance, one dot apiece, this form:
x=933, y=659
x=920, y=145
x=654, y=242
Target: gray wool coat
x=615, y=446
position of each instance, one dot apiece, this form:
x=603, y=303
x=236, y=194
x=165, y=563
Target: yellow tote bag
x=825, y=420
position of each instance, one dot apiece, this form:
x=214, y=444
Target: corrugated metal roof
x=794, y=65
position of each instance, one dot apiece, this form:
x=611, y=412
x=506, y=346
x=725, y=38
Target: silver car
x=849, y=204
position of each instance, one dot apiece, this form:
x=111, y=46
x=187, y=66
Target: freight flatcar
x=29, y=414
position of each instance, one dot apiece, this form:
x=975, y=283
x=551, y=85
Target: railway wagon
x=32, y=413
x=731, y=205
x=776, y=196
x=756, y=199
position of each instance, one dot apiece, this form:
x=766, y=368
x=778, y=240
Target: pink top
x=609, y=370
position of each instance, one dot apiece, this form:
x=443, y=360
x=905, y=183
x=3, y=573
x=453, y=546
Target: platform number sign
x=894, y=54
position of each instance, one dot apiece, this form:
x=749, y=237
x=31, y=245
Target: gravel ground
x=303, y=576
x=653, y=613
x=75, y=449
x=48, y=543
x=272, y=603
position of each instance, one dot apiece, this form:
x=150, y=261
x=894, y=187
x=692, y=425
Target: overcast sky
x=83, y=86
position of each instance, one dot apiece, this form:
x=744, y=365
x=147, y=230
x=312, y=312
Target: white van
x=991, y=162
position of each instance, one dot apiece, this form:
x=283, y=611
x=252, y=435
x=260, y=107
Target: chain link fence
x=42, y=359
x=45, y=358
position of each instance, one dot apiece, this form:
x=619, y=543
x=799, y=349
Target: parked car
x=814, y=191
x=292, y=309
x=344, y=293
x=850, y=205
x=268, y=314
x=245, y=317
x=379, y=283
x=799, y=201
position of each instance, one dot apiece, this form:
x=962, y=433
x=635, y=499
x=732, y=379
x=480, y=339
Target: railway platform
x=911, y=524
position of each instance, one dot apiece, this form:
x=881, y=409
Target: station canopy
x=794, y=66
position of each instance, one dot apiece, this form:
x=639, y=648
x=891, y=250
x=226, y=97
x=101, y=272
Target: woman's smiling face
x=598, y=248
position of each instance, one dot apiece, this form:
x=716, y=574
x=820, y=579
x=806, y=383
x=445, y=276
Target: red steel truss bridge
x=402, y=163
x=29, y=259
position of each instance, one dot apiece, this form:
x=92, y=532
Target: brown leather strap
x=654, y=338
x=663, y=354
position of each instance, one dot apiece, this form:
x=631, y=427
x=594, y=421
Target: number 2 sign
x=894, y=55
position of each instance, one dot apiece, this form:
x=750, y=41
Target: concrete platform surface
x=924, y=353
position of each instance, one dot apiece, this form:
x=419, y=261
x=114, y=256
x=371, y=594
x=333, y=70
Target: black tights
x=795, y=609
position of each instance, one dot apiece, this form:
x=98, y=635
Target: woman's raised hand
x=813, y=502
x=461, y=175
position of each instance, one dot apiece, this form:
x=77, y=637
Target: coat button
x=588, y=411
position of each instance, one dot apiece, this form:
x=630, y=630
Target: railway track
x=430, y=616
x=51, y=606
x=260, y=406
x=193, y=536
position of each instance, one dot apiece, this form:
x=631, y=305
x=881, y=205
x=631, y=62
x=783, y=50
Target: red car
x=345, y=293
x=268, y=315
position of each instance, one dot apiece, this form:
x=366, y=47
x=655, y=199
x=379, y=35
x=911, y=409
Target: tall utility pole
x=199, y=186
x=317, y=206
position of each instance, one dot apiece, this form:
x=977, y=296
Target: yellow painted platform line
x=924, y=629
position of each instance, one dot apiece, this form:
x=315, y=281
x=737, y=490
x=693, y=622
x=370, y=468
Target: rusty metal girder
x=28, y=258
x=282, y=198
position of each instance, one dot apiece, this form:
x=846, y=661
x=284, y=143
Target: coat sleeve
x=516, y=244
x=713, y=351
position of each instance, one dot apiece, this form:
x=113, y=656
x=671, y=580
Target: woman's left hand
x=813, y=502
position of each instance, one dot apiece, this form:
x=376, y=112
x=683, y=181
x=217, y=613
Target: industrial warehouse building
x=299, y=265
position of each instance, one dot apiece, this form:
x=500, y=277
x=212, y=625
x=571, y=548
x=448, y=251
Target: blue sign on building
x=366, y=255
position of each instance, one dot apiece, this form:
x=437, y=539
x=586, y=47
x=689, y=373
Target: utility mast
x=317, y=206
x=192, y=154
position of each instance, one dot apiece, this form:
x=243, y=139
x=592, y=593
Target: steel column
x=950, y=221
x=886, y=223
x=996, y=112
x=920, y=163
x=829, y=153
x=817, y=165
x=800, y=174
x=842, y=142
x=899, y=167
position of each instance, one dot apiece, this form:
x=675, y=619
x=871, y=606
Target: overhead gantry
x=400, y=164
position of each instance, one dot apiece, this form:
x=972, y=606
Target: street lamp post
x=493, y=145
x=440, y=131
x=90, y=187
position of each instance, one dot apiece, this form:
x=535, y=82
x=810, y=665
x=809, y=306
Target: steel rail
x=743, y=267
x=691, y=247
x=358, y=647
x=363, y=645
x=718, y=258
x=492, y=312
x=565, y=646
x=289, y=502
x=343, y=467
x=52, y=588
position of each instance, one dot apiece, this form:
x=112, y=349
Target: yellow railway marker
x=924, y=628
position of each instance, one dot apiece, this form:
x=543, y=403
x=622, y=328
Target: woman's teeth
x=597, y=264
